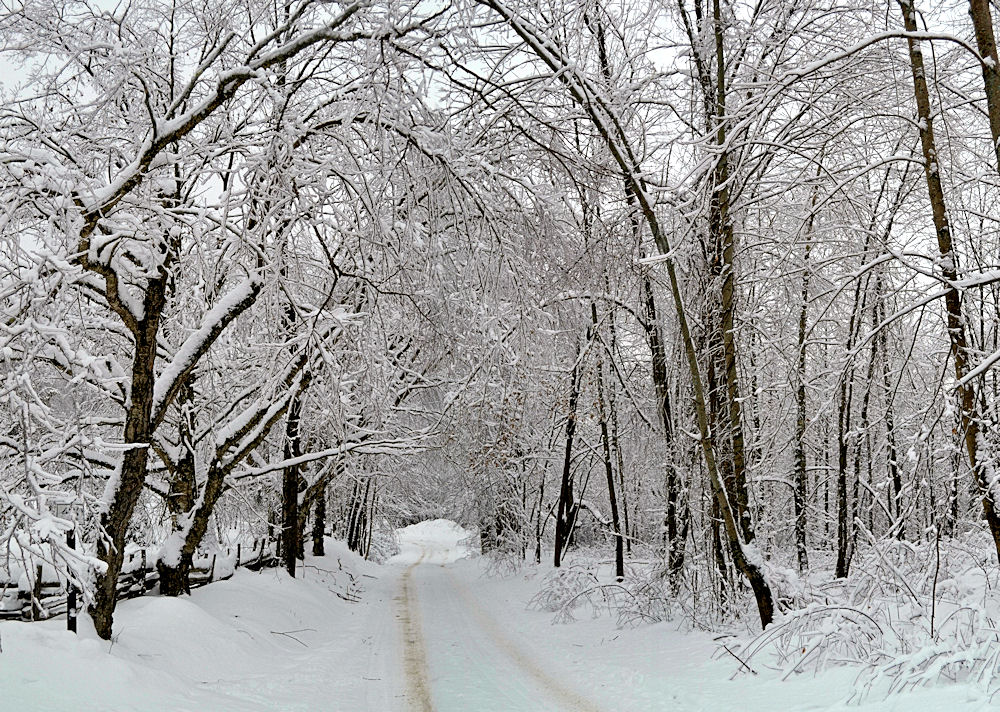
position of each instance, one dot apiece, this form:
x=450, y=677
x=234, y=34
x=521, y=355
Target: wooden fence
x=139, y=576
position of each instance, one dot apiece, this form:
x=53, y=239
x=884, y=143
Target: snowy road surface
x=431, y=632
x=468, y=661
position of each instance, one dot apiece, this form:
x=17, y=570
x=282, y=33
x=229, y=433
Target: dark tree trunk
x=613, y=429
x=721, y=226
x=174, y=576
x=135, y=461
x=598, y=26
x=661, y=386
x=608, y=466
x=181, y=500
x=358, y=522
x=718, y=552
x=982, y=21
x=174, y=580
x=844, y=511
x=539, y=517
x=291, y=544
x=71, y=589
x=898, y=526
x=319, y=524
x=566, y=508
x=799, y=495
x=847, y=507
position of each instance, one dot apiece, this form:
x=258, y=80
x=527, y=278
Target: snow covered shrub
x=385, y=542
x=649, y=599
x=699, y=599
x=940, y=615
x=813, y=638
x=910, y=615
x=573, y=587
x=563, y=587
x=502, y=562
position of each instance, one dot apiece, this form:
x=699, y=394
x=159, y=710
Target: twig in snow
x=288, y=634
x=726, y=648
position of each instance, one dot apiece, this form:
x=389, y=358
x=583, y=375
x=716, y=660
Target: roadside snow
x=259, y=641
x=664, y=667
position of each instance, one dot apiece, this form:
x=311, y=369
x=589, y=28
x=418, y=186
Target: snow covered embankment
x=251, y=643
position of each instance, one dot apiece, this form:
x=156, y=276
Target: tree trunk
x=982, y=22
x=71, y=589
x=126, y=487
x=968, y=403
x=370, y=517
x=290, y=490
x=721, y=226
x=613, y=426
x=608, y=467
x=567, y=507
x=174, y=580
x=353, y=515
x=598, y=26
x=174, y=571
x=357, y=522
x=661, y=386
x=897, y=527
x=539, y=520
x=181, y=499
x=799, y=496
x=845, y=506
x=319, y=524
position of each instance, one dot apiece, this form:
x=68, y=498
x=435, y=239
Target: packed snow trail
x=414, y=657
x=470, y=661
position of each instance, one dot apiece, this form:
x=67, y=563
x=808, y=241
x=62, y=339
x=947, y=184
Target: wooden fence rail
x=139, y=576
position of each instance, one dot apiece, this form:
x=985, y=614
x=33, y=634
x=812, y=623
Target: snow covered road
x=467, y=662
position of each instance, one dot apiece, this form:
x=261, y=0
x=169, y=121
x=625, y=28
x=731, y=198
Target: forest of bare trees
x=710, y=283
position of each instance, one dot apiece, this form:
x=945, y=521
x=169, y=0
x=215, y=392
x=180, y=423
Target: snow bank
x=438, y=541
x=235, y=645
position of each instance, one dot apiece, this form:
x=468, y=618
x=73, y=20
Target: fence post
x=239, y=548
x=36, y=595
x=211, y=571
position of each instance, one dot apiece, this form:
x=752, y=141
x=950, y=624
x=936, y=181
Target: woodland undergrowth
x=910, y=614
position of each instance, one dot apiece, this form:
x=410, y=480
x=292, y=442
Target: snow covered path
x=468, y=661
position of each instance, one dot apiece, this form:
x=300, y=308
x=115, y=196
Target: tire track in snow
x=414, y=655
x=567, y=698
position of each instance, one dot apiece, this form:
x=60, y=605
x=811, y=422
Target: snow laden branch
x=176, y=373
x=164, y=132
x=410, y=444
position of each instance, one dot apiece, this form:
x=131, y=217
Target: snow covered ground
x=431, y=632
x=258, y=641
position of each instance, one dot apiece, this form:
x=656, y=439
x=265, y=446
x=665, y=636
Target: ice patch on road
x=436, y=541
